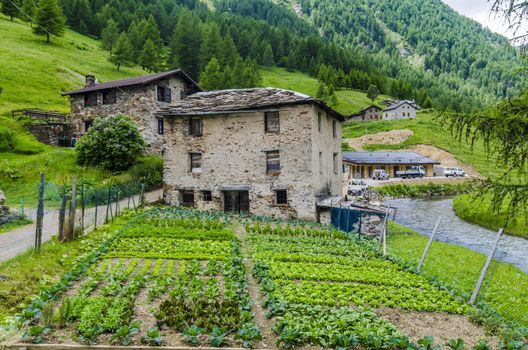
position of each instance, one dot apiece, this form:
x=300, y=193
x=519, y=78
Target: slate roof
x=408, y=158
x=364, y=110
x=142, y=80
x=401, y=103
x=240, y=100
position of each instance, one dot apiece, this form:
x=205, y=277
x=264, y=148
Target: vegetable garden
x=173, y=277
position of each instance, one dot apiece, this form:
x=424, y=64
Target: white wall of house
x=404, y=111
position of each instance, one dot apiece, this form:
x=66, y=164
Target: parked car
x=412, y=172
x=357, y=187
x=380, y=174
x=454, y=172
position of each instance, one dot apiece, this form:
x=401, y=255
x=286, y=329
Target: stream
x=421, y=215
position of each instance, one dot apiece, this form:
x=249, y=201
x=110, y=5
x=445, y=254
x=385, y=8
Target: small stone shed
x=262, y=151
x=361, y=165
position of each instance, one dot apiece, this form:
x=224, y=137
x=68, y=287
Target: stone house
x=369, y=113
x=361, y=165
x=138, y=97
x=401, y=110
x=261, y=151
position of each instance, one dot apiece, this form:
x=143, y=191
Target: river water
x=421, y=215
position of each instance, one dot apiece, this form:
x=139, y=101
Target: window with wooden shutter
x=196, y=126
x=196, y=162
x=273, y=161
x=90, y=100
x=164, y=94
x=272, y=121
x=187, y=198
x=109, y=97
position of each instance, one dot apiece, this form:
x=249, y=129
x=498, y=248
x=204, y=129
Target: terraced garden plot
x=325, y=292
x=165, y=280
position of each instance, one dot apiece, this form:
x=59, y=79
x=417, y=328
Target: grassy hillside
x=33, y=73
x=348, y=101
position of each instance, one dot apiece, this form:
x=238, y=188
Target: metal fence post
x=429, y=243
x=21, y=209
x=96, y=205
x=485, y=268
x=82, y=208
x=382, y=234
x=40, y=214
x=107, y=205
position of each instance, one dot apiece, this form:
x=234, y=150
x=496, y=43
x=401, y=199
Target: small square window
x=196, y=126
x=164, y=94
x=90, y=100
x=196, y=162
x=273, y=161
x=207, y=196
x=272, y=121
x=161, y=126
x=281, y=197
x=187, y=198
x=109, y=97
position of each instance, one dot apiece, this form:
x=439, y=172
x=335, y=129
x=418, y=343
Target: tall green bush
x=112, y=143
x=7, y=140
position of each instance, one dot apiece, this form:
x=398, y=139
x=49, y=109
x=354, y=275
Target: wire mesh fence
x=504, y=286
x=93, y=207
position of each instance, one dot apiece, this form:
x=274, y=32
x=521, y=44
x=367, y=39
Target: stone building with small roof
x=401, y=110
x=361, y=165
x=262, y=151
x=370, y=113
x=138, y=98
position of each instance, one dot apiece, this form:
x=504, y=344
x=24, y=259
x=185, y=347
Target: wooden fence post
x=82, y=208
x=96, y=205
x=40, y=214
x=426, y=250
x=485, y=268
x=62, y=215
x=107, y=205
x=382, y=235
x=73, y=208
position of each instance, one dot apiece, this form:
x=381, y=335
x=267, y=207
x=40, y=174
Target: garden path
x=22, y=238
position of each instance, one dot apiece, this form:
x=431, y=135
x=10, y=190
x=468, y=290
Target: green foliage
x=192, y=333
x=29, y=9
x=124, y=334
x=49, y=19
x=149, y=58
x=7, y=140
x=424, y=190
x=373, y=92
x=113, y=143
x=109, y=35
x=9, y=8
x=122, y=52
x=152, y=337
x=241, y=74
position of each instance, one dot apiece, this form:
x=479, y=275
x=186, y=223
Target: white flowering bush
x=112, y=143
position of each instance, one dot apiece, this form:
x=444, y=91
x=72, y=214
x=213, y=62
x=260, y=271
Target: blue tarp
x=345, y=218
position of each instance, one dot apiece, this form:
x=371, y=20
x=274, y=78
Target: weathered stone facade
x=369, y=113
x=52, y=134
x=138, y=101
x=233, y=147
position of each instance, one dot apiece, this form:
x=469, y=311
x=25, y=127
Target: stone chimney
x=90, y=81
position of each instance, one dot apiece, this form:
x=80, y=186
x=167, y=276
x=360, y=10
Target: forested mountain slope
x=454, y=53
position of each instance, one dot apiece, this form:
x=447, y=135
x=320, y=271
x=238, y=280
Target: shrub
x=7, y=140
x=113, y=143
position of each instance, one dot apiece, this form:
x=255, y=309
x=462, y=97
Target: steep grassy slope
x=348, y=101
x=33, y=73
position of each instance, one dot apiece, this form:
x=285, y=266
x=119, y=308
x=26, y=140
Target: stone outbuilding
x=369, y=113
x=262, y=151
x=361, y=165
x=138, y=98
x=401, y=110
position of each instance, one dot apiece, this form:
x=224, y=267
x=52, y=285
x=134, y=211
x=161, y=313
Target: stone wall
x=138, y=102
x=53, y=134
x=234, y=147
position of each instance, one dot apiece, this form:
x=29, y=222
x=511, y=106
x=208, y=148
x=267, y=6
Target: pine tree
x=211, y=44
x=373, y=93
x=321, y=91
x=185, y=44
x=151, y=32
x=28, y=10
x=267, y=57
x=228, y=52
x=49, y=19
x=149, y=58
x=122, y=54
x=109, y=35
x=212, y=77
x=331, y=98
x=427, y=103
x=9, y=8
